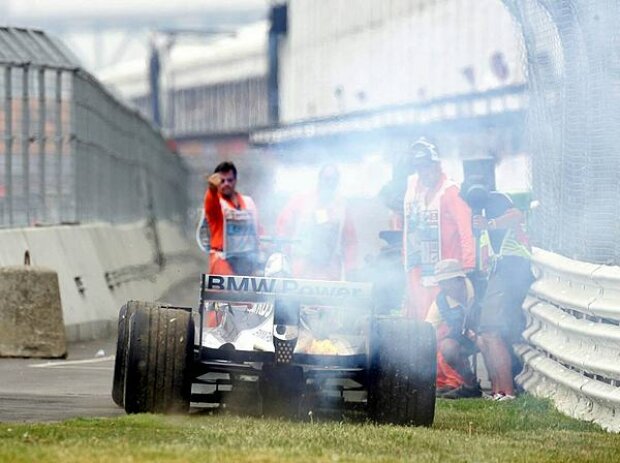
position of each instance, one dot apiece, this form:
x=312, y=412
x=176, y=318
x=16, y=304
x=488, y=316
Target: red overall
x=219, y=211
x=437, y=225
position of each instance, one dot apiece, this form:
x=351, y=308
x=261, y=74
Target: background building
x=342, y=56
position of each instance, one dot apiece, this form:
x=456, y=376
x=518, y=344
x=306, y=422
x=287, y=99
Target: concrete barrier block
x=31, y=320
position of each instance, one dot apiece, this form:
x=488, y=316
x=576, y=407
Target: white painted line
x=72, y=362
x=78, y=367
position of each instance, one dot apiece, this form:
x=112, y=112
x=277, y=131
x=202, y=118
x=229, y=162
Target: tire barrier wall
x=86, y=256
x=573, y=335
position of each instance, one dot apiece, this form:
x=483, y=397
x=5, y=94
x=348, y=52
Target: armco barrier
x=83, y=255
x=573, y=331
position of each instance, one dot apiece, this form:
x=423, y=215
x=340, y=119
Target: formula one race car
x=296, y=345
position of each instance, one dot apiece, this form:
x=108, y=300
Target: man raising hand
x=233, y=224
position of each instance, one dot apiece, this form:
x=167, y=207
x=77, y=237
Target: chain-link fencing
x=573, y=66
x=71, y=151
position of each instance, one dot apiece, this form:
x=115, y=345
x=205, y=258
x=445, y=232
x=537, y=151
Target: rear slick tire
x=118, y=381
x=159, y=361
x=402, y=374
x=124, y=315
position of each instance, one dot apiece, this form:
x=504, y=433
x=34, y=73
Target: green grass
x=527, y=430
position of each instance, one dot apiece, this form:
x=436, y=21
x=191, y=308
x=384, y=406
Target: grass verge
x=526, y=429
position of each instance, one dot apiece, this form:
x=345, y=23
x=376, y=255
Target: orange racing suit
x=233, y=230
x=437, y=225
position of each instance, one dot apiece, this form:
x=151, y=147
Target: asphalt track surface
x=35, y=390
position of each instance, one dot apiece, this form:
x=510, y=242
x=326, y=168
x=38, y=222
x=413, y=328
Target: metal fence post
x=58, y=145
x=25, y=133
x=42, y=140
x=8, y=142
x=73, y=201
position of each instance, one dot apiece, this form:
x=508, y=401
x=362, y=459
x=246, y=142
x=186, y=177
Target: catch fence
x=573, y=73
x=71, y=152
x=573, y=334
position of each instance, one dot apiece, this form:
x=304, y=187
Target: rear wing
x=221, y=288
